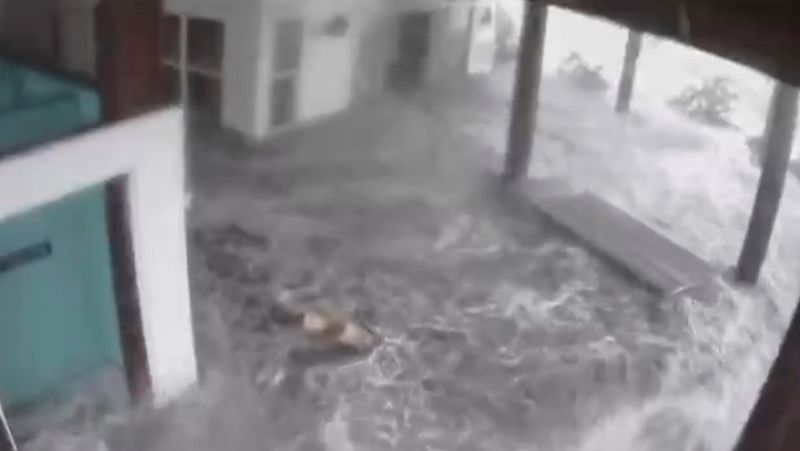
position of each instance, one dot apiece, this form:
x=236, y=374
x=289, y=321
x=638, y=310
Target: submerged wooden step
x=648, y=255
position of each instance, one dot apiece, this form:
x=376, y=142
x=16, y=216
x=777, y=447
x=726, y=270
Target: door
x=59, y=329
x=413, y=49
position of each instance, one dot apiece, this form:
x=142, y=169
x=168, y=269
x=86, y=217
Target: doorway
x=407, y=72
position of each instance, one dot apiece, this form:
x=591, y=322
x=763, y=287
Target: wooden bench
x=648, y=255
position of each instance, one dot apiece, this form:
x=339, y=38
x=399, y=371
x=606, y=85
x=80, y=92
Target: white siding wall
x=246, y=62
x=483, y=40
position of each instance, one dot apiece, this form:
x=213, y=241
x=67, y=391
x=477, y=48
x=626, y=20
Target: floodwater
x=498, y=331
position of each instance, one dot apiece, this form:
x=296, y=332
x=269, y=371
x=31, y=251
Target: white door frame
x=5, y=433
x=147, y=154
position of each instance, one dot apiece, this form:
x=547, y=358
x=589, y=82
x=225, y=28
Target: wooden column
x=774, y=421
x=526, y=92
x=625, y=91
x=778, y=149
x=129, y=70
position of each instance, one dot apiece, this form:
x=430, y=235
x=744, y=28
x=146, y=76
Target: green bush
x=710, y=101
x=582, y=74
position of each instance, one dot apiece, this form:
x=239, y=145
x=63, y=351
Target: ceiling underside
x=763, y=34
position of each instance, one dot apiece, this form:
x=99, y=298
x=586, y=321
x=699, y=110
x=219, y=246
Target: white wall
x=247, y=61
x=450, y=41
x=483, y=40
x=327, y=73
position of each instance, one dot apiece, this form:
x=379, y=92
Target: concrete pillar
x=526, y=92
x=778, y=149
x=625, y=91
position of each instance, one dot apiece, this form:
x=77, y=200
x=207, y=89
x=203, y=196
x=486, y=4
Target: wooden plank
x=773, y=421
x=646, y=254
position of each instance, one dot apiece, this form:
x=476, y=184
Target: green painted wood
x=57, y=316
x=58, y=319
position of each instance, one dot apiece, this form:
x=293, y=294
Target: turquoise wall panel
x=58, y=319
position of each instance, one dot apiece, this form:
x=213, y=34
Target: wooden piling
x=778, y=149
x=526, y=92
x=772, y=425
x=625, y=91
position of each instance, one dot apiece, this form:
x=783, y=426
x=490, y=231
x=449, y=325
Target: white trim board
x=148, y=153
x=6, y=439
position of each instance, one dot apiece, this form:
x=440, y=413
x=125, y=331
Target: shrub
x=582, y=74
x=709, y=102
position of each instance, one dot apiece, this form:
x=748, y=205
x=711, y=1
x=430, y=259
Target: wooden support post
x=625, y=91
x=183, y=45
x=129, y=69
x=526, y=92
x=773, y=421
x=778, y=149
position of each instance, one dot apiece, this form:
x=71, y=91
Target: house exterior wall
x=335, y=70
x=325, y=83
x=482, y=39
x=450, y=41
x=245, y=61
x=453, y=39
